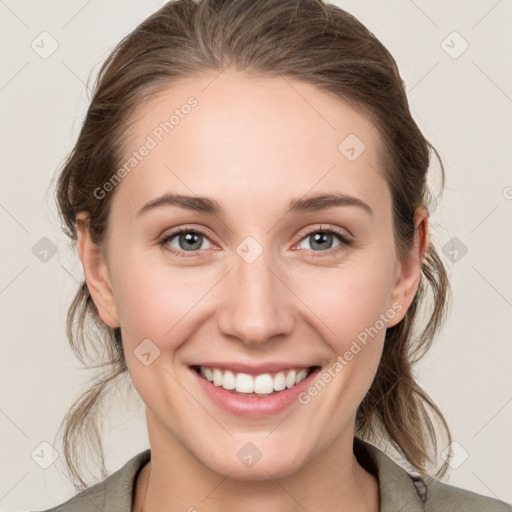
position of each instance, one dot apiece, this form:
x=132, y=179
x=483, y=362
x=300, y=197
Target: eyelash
x=344, y=239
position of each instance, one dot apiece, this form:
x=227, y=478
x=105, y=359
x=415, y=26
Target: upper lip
x=253, y=369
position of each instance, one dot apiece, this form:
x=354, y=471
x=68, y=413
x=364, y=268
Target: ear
x=96, y=273
x=409, y=271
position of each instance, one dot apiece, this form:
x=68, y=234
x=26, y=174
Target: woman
x=225, y=143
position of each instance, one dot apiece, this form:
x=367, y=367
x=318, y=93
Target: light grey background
x=462, y=104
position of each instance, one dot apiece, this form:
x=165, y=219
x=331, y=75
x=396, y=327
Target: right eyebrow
x=195, y=203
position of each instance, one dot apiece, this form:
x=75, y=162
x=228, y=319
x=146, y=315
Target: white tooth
x=301, y=375
x=217, y=377
x=264, y=384
x=228, y=381
x=261, y=384
x=279, y=381
x=290, y=379
x=244, y=383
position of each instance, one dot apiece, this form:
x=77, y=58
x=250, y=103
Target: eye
x=321, y=240
x=188, y=242
x=184, y=240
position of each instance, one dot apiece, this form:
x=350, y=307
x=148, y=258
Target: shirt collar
x=397, y=489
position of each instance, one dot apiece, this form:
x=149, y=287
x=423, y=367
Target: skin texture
x=252, y=144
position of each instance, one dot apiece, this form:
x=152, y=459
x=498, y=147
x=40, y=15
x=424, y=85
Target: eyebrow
x=212, y=207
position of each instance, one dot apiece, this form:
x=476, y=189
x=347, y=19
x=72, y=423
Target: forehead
x=214, y=134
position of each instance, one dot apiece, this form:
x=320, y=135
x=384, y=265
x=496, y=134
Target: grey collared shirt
x=399, y=490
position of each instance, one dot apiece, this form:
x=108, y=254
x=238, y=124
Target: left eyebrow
x=322, y=201
x=212, y=207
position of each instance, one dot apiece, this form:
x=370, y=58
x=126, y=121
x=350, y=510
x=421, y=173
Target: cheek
x=349, y=317
x=158, y=310
x=348, y=300
x=160, y=303
x=351, y=307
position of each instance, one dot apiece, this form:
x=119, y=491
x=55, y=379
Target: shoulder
x=442, y=496
x=399, y=490
x=113, y=493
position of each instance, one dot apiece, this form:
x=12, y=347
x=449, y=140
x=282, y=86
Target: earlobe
x=410, y=269
x=96, y=273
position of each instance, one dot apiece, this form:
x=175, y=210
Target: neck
x=332, y=480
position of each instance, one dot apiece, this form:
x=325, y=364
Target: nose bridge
x=258, y=304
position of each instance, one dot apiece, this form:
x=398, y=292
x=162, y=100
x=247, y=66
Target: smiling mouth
x=261, y=385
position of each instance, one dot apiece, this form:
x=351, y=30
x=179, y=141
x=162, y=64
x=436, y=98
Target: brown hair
x=316, y=43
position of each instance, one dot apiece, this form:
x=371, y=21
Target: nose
x=258, y=304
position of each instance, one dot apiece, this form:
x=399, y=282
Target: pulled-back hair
x=316, y=43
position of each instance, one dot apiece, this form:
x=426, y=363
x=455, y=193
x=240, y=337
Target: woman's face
x=260, y=285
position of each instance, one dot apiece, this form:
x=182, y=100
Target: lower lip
x=254, y=406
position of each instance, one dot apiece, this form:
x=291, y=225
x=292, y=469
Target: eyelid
x=346, y=240
x=171, y=232
x=329, y=229
x=180, y=231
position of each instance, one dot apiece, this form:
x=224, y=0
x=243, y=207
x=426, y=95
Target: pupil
x=191, y=240
x=321, y=237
